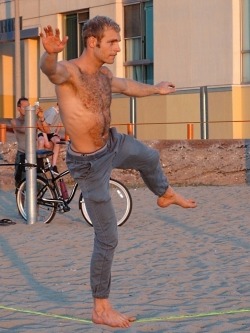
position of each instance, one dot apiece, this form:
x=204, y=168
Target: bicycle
x=51, y=199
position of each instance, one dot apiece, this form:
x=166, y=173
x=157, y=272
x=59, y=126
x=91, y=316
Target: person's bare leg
x=40, y=142
x=104, y=314
x=170, y=197
x=56, y=149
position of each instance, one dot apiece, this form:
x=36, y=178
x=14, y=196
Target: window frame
x=144, y=62
x=79, y=24
x=245, y=39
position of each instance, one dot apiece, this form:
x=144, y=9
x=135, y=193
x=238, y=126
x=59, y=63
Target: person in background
x=18, y=125
x=84, y=90
x=50, y=140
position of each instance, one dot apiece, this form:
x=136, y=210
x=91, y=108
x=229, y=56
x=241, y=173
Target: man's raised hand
x=51, y=41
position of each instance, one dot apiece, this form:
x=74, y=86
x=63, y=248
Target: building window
x=138, y=34
x=245, y=41
x=73, y=29
x=8, y=25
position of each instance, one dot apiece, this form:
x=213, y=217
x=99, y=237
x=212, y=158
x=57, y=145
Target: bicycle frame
x=56, y=187
x=51, y=194
x=52, y=182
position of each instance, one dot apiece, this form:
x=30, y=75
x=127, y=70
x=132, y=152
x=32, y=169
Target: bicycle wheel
x=121, y=200
x=45, y=210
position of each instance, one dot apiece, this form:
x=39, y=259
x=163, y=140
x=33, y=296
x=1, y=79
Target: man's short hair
x=95, y=27
x=20, y=100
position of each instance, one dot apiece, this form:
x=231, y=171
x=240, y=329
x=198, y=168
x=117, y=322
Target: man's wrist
x=55, y=54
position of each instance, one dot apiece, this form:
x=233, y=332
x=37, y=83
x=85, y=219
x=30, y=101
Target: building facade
x=191, y=43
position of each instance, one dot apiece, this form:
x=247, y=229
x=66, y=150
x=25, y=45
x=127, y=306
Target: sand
x=188, y=265
x=176, y=270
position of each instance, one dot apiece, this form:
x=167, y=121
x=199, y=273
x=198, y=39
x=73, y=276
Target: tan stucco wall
x=197, y=43
x=246, y=111
x=220, y=115
x=6, y=80
x=160, y=117
x=166, y=117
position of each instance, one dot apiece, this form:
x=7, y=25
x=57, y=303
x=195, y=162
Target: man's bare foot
x=171, y=197
x=104, y=314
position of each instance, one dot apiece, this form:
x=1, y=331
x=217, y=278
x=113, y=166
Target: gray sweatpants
x=92, y=173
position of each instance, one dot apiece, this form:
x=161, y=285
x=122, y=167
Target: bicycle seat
x=43, y=153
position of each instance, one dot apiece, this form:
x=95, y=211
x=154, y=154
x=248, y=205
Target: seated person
x=50, y=140
x=18, y=125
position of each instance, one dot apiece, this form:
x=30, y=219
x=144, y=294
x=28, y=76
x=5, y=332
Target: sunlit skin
x=84, y=90
x=84, y=87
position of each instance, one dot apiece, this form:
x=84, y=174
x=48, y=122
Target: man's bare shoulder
x=70, y=67
x=69, y=64
x=106, y=71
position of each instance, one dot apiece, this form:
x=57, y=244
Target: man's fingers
x=57, y=34
x=48, y=30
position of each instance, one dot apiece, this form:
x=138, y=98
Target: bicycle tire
x=45, y=211
x=121, y=200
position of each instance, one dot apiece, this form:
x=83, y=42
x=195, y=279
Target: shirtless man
x=84, y=90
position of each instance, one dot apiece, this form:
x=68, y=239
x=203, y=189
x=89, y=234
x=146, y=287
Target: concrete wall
x=245, y=111
x=197, y=43
x=166, y=117
x=6, y=84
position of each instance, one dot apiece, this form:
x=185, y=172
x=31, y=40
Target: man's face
x=108, y=48
x=22, y=107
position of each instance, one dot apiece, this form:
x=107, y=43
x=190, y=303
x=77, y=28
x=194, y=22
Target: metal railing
x=132, y=126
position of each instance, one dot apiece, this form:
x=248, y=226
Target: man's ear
x=92, y=41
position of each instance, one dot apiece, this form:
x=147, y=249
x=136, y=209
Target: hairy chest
x=94, y=91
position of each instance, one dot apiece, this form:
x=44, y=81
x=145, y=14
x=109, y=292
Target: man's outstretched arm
x=133, y=88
